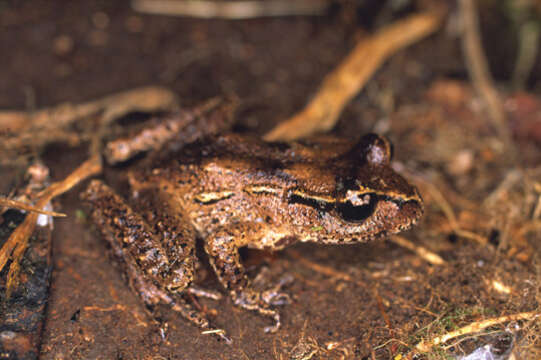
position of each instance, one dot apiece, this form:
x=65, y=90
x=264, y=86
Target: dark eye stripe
x=319, y=202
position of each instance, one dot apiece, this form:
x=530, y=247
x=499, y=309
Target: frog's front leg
x=157, y=252
x=223, y=249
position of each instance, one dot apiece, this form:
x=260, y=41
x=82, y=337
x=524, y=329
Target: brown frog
x=236, y=191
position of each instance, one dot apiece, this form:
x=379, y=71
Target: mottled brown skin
x=236, y=191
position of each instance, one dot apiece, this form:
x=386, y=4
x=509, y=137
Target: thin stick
x=231, y=10
x=17, y=243
x=421, y=251
x=348, y=78
x=14, y=204
x=450, y=215
x=479, y=71
x=425, y=346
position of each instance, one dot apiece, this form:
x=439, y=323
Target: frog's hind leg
x=156, y=251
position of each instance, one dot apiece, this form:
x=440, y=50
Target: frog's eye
x=374, y=149
x=357, y=207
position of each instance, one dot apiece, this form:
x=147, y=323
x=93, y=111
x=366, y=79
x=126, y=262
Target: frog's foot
x=274, y=296
x=250, y=299
x=222, y=249
x=261, y=302
x=206, y=293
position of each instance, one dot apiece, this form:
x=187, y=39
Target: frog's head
x=370, y=199
x=375, y=200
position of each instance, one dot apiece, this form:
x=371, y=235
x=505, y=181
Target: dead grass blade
x=16, y=244
x=344, y=82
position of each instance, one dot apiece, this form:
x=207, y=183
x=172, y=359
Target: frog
x=236, y=191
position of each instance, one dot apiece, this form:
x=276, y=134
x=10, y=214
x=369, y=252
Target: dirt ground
x=367, y=301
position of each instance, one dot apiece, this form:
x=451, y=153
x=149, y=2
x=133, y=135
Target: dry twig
x=421, y=251
x=16, y=244
x=450, y=214
x=14, y=204
x=141, y=99
x=344, y=82
x=20, y=130
x=425, y=346
x=231, y=10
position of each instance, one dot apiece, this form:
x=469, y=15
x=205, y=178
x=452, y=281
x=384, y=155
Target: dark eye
x=357, y=211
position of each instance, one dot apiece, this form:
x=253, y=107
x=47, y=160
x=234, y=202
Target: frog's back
x=234, y=176
x=252, y=148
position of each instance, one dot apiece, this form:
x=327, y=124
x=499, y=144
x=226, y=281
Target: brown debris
x=17, y=243
x=22, y=317
x=21, y=130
